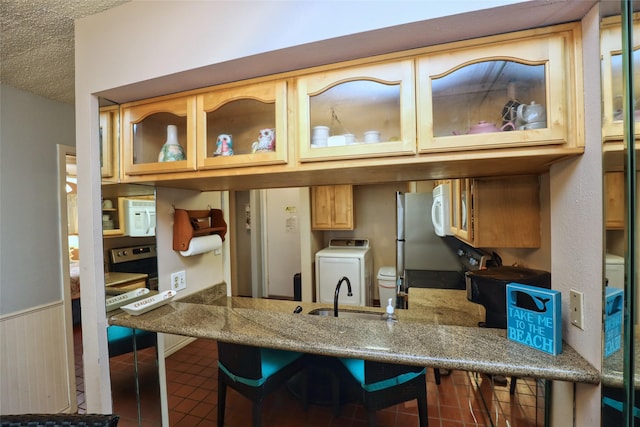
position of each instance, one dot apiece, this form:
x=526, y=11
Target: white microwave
x=440, y=210
x=140, y=217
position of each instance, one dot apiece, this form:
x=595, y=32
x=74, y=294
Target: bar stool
x=384, y=384
x=255, y=372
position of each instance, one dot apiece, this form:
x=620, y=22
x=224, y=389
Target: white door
x=331, y=270
x=281, y=238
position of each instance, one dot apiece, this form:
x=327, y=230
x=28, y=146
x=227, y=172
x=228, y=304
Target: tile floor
x=461, y=400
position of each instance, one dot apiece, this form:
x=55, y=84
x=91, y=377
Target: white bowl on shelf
x=371, y=136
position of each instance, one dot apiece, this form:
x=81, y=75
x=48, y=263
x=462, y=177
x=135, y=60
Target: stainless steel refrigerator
x=424, y=259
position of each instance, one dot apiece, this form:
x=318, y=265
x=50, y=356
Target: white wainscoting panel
x=173, y=343
x=34, y=362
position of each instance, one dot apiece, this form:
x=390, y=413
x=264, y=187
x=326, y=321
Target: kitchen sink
x=351, y=314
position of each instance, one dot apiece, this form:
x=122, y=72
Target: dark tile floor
x=461, y=400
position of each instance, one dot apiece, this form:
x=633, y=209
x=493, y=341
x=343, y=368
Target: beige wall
x=375, y=219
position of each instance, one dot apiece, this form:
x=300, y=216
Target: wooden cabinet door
x=496, y=212
x=342, y=207
x=109, y=124
x=614, y=196
x=351, y=103
x=332, y=207
x=321, y=206
x=506, y=212
x=255, y=118
x=468, y=95
x=612, y=85
x=460, y=209
x=145, y=128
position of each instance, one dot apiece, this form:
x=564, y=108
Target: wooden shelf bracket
x=188, y=224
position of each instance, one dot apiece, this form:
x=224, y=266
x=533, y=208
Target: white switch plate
x=576, y=305
x=179, y=280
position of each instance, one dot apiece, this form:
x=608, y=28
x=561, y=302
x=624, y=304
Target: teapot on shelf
x=486, y=127
x=526, y=114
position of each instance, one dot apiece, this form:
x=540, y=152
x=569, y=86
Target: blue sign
x=534, y=317
x=614, y=303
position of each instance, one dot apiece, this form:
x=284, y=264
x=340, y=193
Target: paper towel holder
x=188, y=224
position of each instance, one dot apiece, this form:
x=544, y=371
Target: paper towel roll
x=199, y=245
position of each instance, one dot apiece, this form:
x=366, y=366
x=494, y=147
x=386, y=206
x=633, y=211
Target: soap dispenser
x=390, y=315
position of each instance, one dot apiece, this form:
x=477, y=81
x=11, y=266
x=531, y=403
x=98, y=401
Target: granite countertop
x=424, y=335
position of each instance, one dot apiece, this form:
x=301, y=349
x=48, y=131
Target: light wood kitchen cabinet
x=497, y=212
x=255, y=119
x=614, y=197
x=332, y=207
x=113, y=217
x=109, y=147
x=399, y=116
x=612, y=85
x=460, y=210
x=145, y=129
x=357, y=112
x=469, y=94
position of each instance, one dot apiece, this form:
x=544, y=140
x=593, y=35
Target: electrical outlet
x=179, y=280
x=576, y=305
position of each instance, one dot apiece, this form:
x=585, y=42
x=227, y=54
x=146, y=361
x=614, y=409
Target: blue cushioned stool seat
x=381, y=385
x=255, y=372
x=271, y=361
x=120, y=339
x=356, y=368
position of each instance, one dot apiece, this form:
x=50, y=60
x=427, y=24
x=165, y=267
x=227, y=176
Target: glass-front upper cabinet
x=158, y=136
x=505, y=93
x=362, y=111
x=109, y=124
x=243, y=126
x=612, y=88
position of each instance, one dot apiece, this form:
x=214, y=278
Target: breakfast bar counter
x=427, y=334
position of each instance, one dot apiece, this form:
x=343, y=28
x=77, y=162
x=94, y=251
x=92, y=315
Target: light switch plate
x=179, y=280
x=576, y=306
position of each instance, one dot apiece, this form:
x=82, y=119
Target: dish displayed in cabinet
x=158, y=136
x=242, y=126
x=113, y=217
x=358, y=112
x=612, y=84
x=514, y=89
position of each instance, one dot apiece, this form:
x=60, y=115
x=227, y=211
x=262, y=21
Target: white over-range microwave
x=440, y=210
x=140, y=217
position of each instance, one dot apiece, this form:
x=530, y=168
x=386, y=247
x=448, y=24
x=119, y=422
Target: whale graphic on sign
x=524, y=300
x=614, y=305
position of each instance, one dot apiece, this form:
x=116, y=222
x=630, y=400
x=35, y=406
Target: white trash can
x=387, y=285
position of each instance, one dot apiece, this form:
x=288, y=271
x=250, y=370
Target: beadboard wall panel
x=34, y=364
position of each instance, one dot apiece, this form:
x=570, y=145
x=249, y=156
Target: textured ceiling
x=37, y=44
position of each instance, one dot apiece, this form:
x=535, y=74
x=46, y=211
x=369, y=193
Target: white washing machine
x=349, y=258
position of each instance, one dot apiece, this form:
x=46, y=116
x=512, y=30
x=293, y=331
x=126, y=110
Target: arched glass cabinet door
x=241, y=126
x=158, y=136
x=514, y=89
x=621, y=352
x=357, y=112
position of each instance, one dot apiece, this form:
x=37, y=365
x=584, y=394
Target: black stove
x=136, y=259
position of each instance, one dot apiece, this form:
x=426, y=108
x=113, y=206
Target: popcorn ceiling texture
x=37, y=44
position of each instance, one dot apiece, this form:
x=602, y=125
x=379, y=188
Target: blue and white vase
x=171, y=151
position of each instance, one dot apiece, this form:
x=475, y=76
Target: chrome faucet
x=335, y=297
